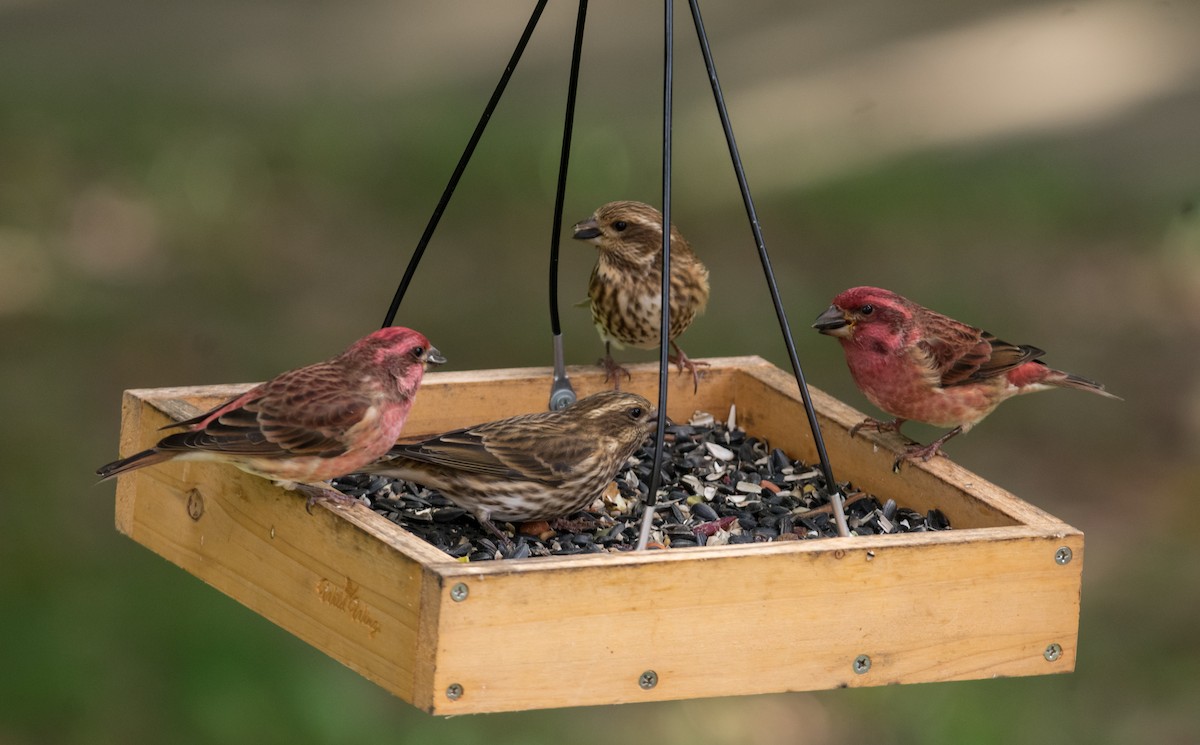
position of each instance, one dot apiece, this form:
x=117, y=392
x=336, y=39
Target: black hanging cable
x=818, y=440
x=462, y=164
x=561, y=392
x=665, y=320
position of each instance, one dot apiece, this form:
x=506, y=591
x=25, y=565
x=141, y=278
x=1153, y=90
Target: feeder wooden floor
x=996, y=596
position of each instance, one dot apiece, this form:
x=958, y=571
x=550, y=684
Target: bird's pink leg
x=684, y=362
x=612, y=369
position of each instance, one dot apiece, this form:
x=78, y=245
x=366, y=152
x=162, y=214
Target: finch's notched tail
x=144, y=458
x=1074, y=381
x=1036, y=373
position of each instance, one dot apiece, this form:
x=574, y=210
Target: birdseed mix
x=718, y=486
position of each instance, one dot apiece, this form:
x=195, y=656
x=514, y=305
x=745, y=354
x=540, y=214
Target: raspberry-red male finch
x=311, y=424
x=919, y=365
x=529, y=467
x=625, y=291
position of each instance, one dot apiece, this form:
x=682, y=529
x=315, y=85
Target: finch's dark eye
x=418, y=351
x=635, y=412
x=867, y=310
x=620, y=225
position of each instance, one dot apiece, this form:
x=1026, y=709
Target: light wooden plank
x=131, y=441
x=712, y=624
x=320, y=576
x=834, y=546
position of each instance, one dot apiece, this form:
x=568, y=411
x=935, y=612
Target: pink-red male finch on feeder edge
x=919, y=365
x=311, y=424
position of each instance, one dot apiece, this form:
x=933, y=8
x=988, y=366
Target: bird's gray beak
x=434, y=357
x=832, y=322
x=586, y=230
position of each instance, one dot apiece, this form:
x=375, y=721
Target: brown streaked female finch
x=311, y=424
x=916, y=364
x=625, y=291
x=528, y=467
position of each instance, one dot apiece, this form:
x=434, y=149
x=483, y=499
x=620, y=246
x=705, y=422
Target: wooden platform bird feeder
x=998, y=595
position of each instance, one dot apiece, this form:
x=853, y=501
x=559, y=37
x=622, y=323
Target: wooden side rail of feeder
x=998, y=595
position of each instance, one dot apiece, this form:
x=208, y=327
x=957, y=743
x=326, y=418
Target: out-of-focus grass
x=157, y=231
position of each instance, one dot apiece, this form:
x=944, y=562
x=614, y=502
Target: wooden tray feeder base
x=998, y=595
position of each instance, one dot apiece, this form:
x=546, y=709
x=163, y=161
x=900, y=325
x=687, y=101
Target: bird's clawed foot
x=913, y=449
x=490, y=527
x=613, y=371
x=585, y=523
x=923, y=452
x=915, y=452
x=686, y=363
x=325, y=494
x=878, y=426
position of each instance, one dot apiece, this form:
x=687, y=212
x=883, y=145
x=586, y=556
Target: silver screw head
x=862, y=664
x=1052, y=652
x=562, y=398
x=459, y=592
x=648, y=680
x=1063, y=555
x=454, y=691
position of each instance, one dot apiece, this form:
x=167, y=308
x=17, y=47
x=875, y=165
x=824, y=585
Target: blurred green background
x=215, y=192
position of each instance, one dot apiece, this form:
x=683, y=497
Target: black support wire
x=561, y=392
x=835, y=499
x=665, y=328
x=462, y=164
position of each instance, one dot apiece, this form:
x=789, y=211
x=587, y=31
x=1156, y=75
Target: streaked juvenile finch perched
x=311, y=424
x=625, y=291
x=528, y=467
x=919, y=365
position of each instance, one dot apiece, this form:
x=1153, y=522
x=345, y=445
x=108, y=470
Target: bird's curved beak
x=833, y=322
x=586, y=230
x=433, y=357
